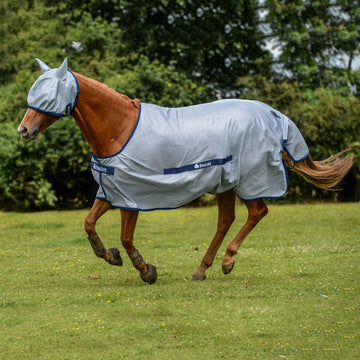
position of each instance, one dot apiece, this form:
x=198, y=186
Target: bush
x=51, y=171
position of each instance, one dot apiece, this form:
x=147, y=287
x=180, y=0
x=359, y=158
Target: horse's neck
x=105, y=117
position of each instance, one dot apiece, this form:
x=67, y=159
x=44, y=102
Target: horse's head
x=53, y=95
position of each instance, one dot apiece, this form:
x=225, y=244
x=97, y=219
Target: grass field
x=294, y=292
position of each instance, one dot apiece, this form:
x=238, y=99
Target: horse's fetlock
x=231, y=251
x=142, y=268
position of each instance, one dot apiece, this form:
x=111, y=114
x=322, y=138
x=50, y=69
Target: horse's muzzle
x=26, y=135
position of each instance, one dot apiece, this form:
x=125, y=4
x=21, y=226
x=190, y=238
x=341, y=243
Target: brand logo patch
x=102, y=168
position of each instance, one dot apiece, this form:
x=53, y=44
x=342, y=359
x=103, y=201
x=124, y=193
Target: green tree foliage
x=318, y=41
x=175, y=53
x=213, y=42
x=153, y=82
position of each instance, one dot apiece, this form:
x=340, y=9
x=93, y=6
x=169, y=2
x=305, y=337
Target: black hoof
x=115, y=258
x=197, y=277
x=228, y=268
x=150, y=276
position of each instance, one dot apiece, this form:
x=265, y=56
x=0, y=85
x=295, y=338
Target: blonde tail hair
x=325, y=174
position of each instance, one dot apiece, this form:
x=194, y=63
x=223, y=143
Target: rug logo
x=102, y=168
x=203, y=165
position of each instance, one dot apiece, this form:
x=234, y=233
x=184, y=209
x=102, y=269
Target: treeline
x=301, y=57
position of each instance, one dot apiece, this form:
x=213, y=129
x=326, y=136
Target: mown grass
x=294, y=291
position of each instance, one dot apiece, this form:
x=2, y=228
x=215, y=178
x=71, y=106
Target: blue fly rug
x=175, y=155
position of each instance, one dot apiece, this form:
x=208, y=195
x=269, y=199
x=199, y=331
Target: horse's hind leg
x=257, y=210
x=226, y=216
x=112, y=256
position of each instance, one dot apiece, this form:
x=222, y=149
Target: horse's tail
x=325, y=174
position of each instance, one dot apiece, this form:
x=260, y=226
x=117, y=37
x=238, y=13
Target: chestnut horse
x=107, y=120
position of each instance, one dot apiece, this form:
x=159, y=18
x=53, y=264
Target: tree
x=317, y=40
x=9, y=29
x=213, y=42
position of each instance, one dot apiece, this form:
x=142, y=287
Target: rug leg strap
x=97, y=245
x=137, y=260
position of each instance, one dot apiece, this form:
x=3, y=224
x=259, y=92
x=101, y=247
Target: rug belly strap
x=97, y=245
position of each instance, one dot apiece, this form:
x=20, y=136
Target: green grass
x=294, y=291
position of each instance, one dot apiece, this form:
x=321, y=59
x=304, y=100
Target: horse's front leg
x=128, y=223
x=112, y=255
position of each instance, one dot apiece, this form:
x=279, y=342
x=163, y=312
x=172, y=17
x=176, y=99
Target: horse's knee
x=89, y=225
x=98, y=209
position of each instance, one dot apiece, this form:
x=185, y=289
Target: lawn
x=294, y=291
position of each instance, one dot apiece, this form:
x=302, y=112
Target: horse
x=147, y=157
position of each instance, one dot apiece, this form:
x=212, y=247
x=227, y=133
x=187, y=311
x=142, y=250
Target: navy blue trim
x=292, y=158
x=197, y=166
x=102, y=187
x=138, y=209
x=68, y=109
x=102, y=198
x=122, y=149
x=77, y=91
x=46, y=112
x=152, y=209
x=109, y=170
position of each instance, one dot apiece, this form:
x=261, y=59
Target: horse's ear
x=44, y=68
x=60, y=73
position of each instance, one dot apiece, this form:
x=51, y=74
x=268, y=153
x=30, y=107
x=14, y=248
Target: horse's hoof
x=115, y=258
x=227, y=268
x=150, y=276
x=198, y=277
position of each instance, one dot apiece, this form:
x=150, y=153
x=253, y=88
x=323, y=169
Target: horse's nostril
x=23, y=131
